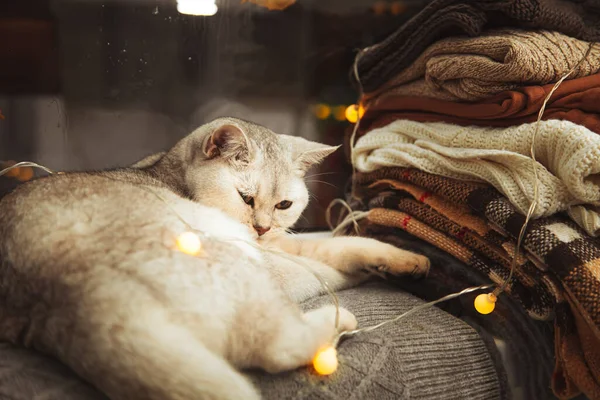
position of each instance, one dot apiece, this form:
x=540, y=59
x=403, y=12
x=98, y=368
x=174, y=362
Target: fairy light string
x=189, y=242
x=326, y=361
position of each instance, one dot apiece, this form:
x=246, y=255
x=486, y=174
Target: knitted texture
x=528, y=343
x=586, y=217
x=455, y=220
x=444, y=18
x=471, y=69
x=576, y=100
x=432, y=355
x=28, y=375
x=567, y=253
x=532, y=294
x=568, y=158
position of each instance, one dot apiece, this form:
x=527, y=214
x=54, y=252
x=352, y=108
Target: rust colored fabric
x=577, y=357
x=559, y=246
x=532, y=293
x=529, y=342
x=576, y=100
x=470, y=227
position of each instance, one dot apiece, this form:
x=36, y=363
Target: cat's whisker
x=289, y=231
x=320, y=174
x=279, y=229
x=304, y=218
x=318, y=181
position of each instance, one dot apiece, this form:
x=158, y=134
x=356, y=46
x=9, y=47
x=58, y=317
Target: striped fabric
x=479, y=226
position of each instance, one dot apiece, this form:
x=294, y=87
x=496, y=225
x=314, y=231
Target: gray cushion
x=431, y=355
x=28, y=375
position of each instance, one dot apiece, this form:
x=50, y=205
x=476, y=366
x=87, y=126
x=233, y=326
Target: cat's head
x=251, y=173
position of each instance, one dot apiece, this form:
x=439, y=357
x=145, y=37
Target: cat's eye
x=247, y=199
x=284, y=205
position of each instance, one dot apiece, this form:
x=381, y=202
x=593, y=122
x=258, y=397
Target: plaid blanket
x=529, y=343
x=554, y=244
x=536, y=291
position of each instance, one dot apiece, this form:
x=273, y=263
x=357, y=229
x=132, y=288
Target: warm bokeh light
x=379, y=7
x=197, y=7
x=322, y=111
x=272, y=5
x=13, y=173
x=339, y=113
x=397, y=8
x=24, y=174
x=354, y=112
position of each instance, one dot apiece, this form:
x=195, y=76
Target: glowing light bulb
x=189, y=243
x=354, y=112
x=322, y=111
x=326, y=362
x=197, y=7
x=485, y=303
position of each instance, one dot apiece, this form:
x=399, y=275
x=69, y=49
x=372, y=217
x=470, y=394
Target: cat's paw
x=383, y=258
x=347, y=321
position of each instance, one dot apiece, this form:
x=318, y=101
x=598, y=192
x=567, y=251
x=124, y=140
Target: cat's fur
x=90, y=273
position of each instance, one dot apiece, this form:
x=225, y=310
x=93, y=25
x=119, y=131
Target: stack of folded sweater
x=443, y=154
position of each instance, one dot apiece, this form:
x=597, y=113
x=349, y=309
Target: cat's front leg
x=302, y=278
x=353, y=255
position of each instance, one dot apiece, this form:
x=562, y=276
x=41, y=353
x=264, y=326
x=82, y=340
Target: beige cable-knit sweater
x=568, y=157
x=470, y=69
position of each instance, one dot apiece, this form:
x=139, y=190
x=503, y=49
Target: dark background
x=90, y=84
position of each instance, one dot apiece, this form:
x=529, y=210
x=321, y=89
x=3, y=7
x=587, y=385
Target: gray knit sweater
x=432, y=355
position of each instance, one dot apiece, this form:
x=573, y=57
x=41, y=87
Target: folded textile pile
x=576, y=100
x=443, y=154
x=557, y=278
x=441, y=18
x=528, y=342
x=470, y=69
x=568, y=157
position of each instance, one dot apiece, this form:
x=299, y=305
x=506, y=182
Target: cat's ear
x=228, y=141
x=307, y=153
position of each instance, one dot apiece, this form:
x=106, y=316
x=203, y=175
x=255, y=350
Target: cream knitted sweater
x=568, y=157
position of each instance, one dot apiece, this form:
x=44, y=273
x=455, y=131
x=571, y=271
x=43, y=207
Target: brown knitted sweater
x=471, y=69
x=442, y=18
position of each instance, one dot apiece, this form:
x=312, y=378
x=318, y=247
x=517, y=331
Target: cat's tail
x=153, y=359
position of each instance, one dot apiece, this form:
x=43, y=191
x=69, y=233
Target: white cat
x=90, y=272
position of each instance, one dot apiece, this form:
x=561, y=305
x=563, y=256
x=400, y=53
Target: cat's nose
x=261, y=230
